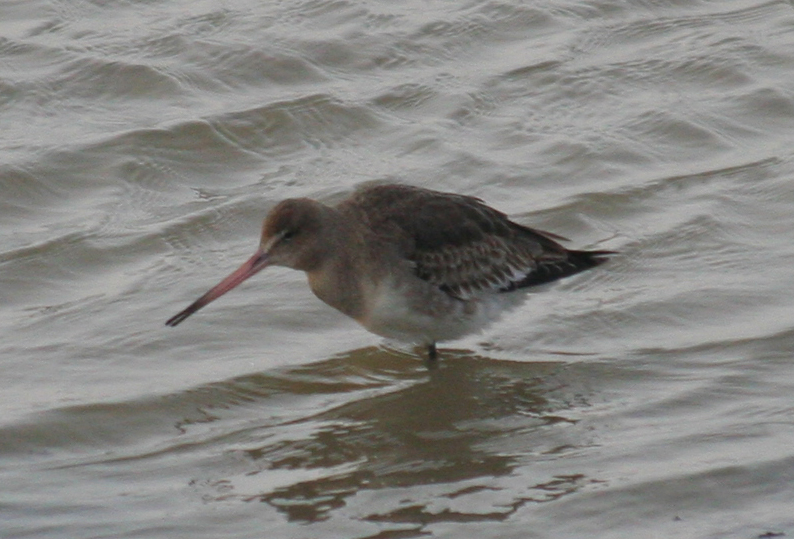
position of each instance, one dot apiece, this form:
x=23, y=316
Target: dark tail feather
x=576, y=262
x=589, y=259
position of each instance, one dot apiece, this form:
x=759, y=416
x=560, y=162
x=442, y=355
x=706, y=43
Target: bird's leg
x=432, y=357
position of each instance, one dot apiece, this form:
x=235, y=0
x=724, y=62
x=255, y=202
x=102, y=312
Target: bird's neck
x=340, y=277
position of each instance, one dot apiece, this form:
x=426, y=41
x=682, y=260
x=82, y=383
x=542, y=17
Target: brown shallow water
x=143, y=142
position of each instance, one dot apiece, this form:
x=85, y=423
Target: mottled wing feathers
x=463, y=246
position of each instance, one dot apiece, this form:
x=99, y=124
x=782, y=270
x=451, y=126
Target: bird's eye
x=288, y=235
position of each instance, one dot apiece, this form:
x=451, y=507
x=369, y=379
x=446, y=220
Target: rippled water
x=143, y=141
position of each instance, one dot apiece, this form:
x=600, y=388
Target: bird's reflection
x=424, y=427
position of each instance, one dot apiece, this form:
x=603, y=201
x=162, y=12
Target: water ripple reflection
x=445, y=430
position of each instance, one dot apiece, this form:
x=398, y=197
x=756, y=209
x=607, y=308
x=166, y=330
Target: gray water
x=142, y=143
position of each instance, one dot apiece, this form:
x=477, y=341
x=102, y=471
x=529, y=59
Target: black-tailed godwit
x=408, y=263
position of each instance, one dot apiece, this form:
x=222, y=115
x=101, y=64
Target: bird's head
x=291, y=237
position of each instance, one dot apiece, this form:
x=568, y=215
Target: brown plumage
x=463, y=246
x=407, y=262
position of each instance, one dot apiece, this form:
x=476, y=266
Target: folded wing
x=464, y=247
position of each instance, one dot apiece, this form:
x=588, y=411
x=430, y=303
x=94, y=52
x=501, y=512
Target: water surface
x=143, y=142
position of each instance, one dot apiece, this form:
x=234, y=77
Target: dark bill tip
x=178, y=318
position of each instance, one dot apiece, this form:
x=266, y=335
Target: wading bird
x=408, y=263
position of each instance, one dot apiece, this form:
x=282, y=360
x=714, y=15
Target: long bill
x=251, y=267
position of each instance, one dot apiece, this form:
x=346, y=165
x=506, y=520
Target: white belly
x=420, y=313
